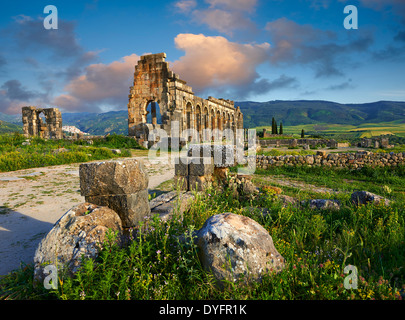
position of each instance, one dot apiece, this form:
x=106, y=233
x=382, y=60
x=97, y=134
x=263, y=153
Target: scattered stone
x=322, y=204
x=233, y=246
x=81, y=231
x=168, y=203
x=365, y=197
x=287, y=200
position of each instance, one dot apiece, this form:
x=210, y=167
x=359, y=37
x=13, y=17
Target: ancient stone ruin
x=48, y=128
x=180, y=109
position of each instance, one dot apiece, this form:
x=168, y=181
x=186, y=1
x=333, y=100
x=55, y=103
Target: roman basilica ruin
x=155, y=84
x=155, y=88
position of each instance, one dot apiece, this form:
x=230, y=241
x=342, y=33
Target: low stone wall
x=297, y=142
x=339, y=160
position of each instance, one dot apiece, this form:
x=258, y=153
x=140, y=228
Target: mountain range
x=255, y=114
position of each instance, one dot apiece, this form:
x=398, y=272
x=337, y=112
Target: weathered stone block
x=224, y=155
x=181, y=167
x=112, y=177
x=181, y=182
x=201, y=168
x=131, y=208
x=199, y=183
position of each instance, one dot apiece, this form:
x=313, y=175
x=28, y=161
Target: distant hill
x=256, y=114
x=98, y=123
x=7, y=127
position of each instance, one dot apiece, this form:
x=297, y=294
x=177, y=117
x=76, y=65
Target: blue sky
x=235, y=49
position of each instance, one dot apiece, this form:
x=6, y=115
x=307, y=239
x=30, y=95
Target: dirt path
x=32, y=200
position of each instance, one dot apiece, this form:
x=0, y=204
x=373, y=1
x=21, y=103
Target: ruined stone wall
x=155, y=82
x=33, y=125
x=299, y=142
x=339, y=160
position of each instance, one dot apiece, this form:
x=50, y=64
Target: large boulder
x=81, y=231
x=365, y=197
x=234, y=246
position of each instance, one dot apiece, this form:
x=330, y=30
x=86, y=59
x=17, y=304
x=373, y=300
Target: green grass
x=317, y=246
x=14, y=155
x=346, y=131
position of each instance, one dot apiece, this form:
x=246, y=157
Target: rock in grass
x=234, y=247
x=322, y=204
x=365, y=197
x=81, y=231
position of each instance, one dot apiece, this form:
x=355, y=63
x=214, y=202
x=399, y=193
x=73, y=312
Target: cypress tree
x=273, y=130
x=281, y=128
x=275, y=127
x=302, y=133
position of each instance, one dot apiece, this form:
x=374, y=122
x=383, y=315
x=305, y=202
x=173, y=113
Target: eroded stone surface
x=112, y=177
x=365, y=197
x=234, y=246
x=81, y=231
x=33, y=125
x=180, y=109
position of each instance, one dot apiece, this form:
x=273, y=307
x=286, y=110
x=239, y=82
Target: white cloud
x=215, y=62
x=100, y=83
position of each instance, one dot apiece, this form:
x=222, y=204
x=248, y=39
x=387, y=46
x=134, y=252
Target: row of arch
x=210, y=117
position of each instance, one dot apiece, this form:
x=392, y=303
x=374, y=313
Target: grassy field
x=365, y=130
x=317, y=246
x=17, y=154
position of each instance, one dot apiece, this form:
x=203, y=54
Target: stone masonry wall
x=339, y=160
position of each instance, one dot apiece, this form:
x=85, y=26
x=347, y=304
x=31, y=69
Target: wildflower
x=158, y=252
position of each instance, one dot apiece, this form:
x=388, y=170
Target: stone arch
x=213, y=122
x=219, y=120
x=44, y=123
x=154, y=113
x=198, y=121
x=189, y=115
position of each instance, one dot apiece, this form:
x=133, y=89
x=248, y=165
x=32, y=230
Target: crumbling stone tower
x=155, y=83
x=33, y=125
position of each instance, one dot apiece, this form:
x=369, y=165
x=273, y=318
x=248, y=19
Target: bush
x=39, y=153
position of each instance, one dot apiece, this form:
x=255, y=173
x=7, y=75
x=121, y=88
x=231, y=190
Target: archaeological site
x=34, y=125
x=155, y=83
